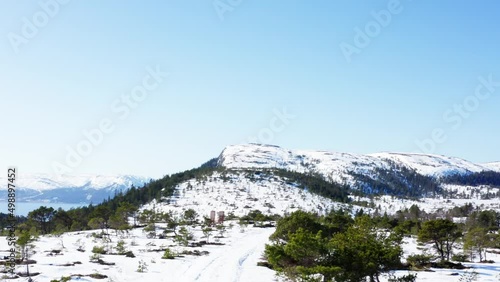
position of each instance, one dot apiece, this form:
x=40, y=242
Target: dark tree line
x=397, y=181
x=490, y=178
x=5, y=220
x=311, y=182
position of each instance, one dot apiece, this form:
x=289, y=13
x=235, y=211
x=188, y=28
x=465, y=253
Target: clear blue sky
x=229, y=72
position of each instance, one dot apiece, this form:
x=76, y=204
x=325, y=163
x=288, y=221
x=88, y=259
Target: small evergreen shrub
x=168, y=254
x=142, y=267
x=63, y=279
x=406, y=278
x=419, y=261
x=460, y=258
x=98, y=250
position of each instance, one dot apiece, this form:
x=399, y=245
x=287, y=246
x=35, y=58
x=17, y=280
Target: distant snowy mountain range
x=84, y=188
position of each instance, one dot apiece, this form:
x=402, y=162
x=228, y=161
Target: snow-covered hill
x=240, y=192
x=337, y=165
x=398, y=174
x=83, y=188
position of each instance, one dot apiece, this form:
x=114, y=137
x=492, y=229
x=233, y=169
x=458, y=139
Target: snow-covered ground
x=486, y=272
x=391, y=204
x=236, y=260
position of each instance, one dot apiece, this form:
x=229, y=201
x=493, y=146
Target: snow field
x=236, y=260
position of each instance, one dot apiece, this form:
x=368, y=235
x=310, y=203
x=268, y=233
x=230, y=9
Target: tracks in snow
x=234, y=262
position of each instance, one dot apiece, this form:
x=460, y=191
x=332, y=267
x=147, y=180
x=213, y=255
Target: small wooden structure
x=220, y=217
x=212, y=217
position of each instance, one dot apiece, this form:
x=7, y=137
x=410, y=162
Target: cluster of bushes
x=334, y=247
x=337, y=247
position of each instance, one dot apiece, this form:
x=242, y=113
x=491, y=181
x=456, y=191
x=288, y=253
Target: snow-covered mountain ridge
x=335, y=165
x=397, y=174
x=493, y=166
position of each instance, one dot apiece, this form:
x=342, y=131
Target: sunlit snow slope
x=336, y=165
